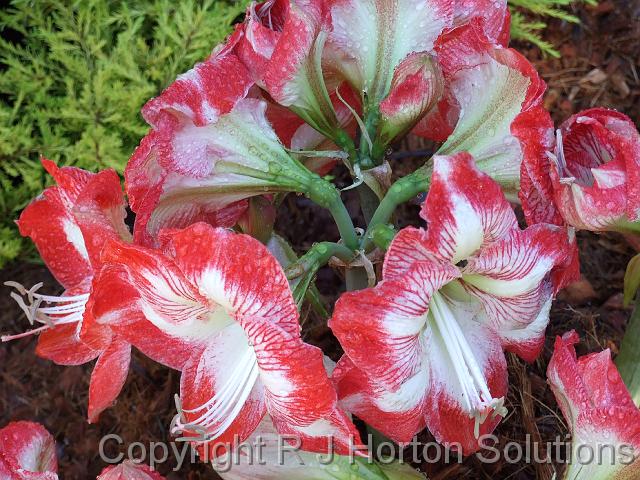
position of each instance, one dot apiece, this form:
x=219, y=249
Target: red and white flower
x=592, y=179
x=27, y=452
x=129, y=470
x=599, y=411
x=69, y=224
x=491, y=105
x=210, y=147
x=225, y=299
x=425, y=346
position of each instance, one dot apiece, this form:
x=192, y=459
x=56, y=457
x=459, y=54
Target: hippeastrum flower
x=210, y=147
x=27, y=452
x=281, y=43
x=129, y=470
x=425, y=346
x=492, y=101
x=594, y=172
x=270, y=461
x=600, y=413
x=227, y=300
x=69, y=224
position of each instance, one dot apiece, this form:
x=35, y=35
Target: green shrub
x=73, y=76
x=527, y=16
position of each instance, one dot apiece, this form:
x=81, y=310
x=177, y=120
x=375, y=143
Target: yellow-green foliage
x=527, y=16
x=73, y=76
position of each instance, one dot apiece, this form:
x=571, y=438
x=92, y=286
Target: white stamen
x=59, y=310
x=475, y=392
x=219, y=412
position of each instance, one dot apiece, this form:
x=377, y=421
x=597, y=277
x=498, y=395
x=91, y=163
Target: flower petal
x=492, y=87
x=48, y=220
x=129, y=470
x=465, y=209
x=369, y=39
x=517, y=264
x=108, y=377
x=114, y=306
x=235, y=270
x=397, y=414
x=62, y=344
x=220, y=392
x=380, y=328
x=448, y=418
x=28, y=449
x=166, y=296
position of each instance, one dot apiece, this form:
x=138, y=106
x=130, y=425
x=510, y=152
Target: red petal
x=208, y=373
x=397, y=414
x=494, y=17
x=380, y=328
x=205, y=92
x=465, y=209
x=28, y=448
x=129, y=470
x=235, y=270
x=534, y=130
x=447, y=418
x=108, y=377
x=62, y=344
x=52, y=227
x=511, y=278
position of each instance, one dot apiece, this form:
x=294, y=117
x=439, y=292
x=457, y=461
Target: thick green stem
x=402, y=191
x=327, y=195
x=317, y=256
x=628, y=360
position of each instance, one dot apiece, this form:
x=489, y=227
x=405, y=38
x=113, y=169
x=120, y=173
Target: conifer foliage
x=73, y=76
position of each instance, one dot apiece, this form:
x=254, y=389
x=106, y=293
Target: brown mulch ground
x=600, y=65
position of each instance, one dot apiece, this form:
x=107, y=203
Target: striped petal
x=108, y=377
x=490, y=87
x=465, y=210
x=598, y=408
x=369, y=39
x=27, y=451
x=512, y=280
x=380, y=328
x=594, y=170
x=398, y=414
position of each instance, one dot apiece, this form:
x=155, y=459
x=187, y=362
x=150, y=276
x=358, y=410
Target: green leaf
x=631, y=279
x=628, y=360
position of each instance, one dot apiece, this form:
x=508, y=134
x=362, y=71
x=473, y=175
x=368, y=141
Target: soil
x=600, y=65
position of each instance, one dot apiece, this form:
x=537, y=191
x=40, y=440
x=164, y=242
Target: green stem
x=317, y=256
x=628, y=360
x=327, y=195
x=402, y=191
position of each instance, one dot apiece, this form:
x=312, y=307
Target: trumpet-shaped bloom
x=27, y=452
x=491, y=105
x=226, y=300
x=591, y=180
x=69, y=224
x=599, y=411
x=425, y=346
x=210, y=147
x=129, y=470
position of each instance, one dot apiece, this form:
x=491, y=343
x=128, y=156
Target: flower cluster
x=203, y=285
